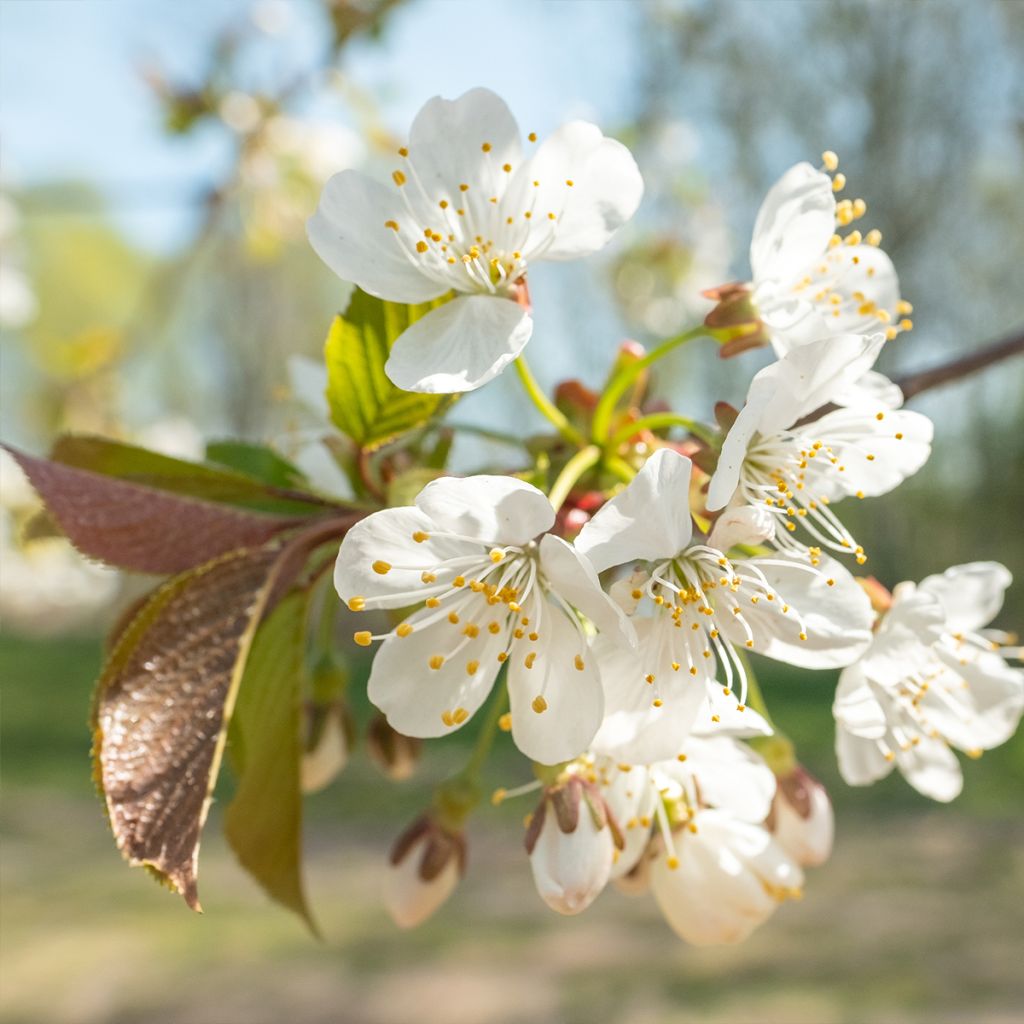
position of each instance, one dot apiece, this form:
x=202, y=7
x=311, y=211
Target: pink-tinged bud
x=329, y=733
x=424, y=868
x=723, y=879
x=801, y=818
x=878, y=594
x=395, y=754
x=571, y=841
x=735, y=320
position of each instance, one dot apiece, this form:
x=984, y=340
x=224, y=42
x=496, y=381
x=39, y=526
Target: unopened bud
x=571, y=841
x=735, y=321
x=395, y=754
x=424, y=868
x=329, y=733
x=801, y=818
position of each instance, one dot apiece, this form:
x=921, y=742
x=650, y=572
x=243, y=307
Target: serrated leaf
x=256, y=461
x=263, y=822
x=177, y=476
x=363, y=402
x=166, y=694
x=136, y=527
x=162, y=705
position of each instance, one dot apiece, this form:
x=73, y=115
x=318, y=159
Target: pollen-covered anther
x=393, y=224
x=398, y=177
x=403, y=629
x=579, y=663
x=539, y=704
x=472, y=667
x=436, y=661
x=530, y=659
x=381, y=568
x=364, y=638
x=657, y=702
x=356, y=604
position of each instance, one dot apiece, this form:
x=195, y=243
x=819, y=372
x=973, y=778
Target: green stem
x=619, y=467
x=777, y=749
x=659, y=421
x=571, y=473
x=488, y=731
x=546, y=407
x=621, y=381
x=486, y=433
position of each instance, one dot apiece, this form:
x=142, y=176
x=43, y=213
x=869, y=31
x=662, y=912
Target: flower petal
x=971, y=595
x=459, y=346
x=634, y=729
x=492, y=509
x=349, y=233
x=414, y=696
x=794, y=224
x=556, y=705
x=573, y=578
x=386, y=539
x=604, y=193
x=932, y=769
x=649, y=520
x=856, y=707
x=861, y=761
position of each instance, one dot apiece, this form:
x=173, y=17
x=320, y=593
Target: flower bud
x=801, y=818
x=329, y=732
x=425, y=865
x=571, y=841
x=723, y=879
x=395, y=754
x=735, y=321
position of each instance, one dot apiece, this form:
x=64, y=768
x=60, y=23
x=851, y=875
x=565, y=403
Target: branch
x=914, y=383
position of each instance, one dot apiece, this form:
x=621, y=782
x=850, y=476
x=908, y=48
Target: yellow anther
x=532, y=136
x=498, y=796
x=506, y=168
x=493, y=627
x=906, y=325
x=436, y=661
x=649, y=677
x=356, y=604
x=364, y=638
x=381, y=568
x=496, y=555
x=530, y=659
x=829, y=160
x=899, y=437
x=453, y=618
x=672, y=863
x=570, y=182
x=463, y=187
x=750, y=643
x=472, y=667
x=658, y=702
x=459, y=715
x=472, y=630
x=873, y=237
x=839, y=182
x=502, y=656
x=393, y=224
x=486, y=147
x=398, y=177
x=853, y=238
x=859, y=208
x=539, y=704
x=403, y=629
x=421, y=247
x=459, y=581
x=432, y=602
x=803, y=636
x=505, y=722
x=903, y=307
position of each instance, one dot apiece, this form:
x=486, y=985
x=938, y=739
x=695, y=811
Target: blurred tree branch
x=914, y=383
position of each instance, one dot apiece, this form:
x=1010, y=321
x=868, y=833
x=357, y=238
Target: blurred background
x=157, y=164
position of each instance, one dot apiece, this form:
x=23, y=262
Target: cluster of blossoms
x=619, y=636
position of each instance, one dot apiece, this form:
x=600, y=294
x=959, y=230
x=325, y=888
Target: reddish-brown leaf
x=132, y=526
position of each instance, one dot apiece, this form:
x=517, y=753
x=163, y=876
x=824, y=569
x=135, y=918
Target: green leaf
x=161, y=472
x=263, y=822
x=364, y=404
x=256, y=460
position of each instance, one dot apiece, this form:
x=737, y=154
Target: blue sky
x=72, y=103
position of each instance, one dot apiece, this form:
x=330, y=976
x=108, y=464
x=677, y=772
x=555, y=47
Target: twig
x=914, y=383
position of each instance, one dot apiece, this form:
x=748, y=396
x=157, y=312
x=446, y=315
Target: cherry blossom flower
x=469, y=212
x=809, y=282
x=931, y=680
x=496, y=587
x=776, y=459
x=694, y=605
x=802, y=820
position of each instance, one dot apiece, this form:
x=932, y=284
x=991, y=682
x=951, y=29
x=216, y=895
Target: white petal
x=605, y=192
x=971, y=595
x=720, y=715
x=874, y=389
x=631, y=798
x=749, y=524
x=932, y=769
x=494, y=509
x=571, y=868
x=349, y=234
x=867, y=271
x=861, y=761
x=808, y=840
x=321, y=765
x=446, y=145
x=572, y=699
x=413, y=696
x=731, y=776
x=634, y=730
x=856, y=707
x=459, y=346
x=898, y=446
x=387, y=537
x=409, y=899
x=572, y=577
x=794, y=224
x=835, y=619
x=649, y=520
